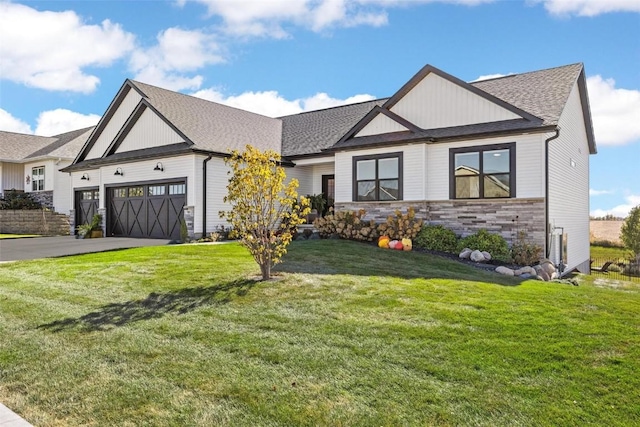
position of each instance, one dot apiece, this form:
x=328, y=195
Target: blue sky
x=61, y=63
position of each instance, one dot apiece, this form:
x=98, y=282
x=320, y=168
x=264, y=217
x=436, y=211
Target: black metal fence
x=616, y=268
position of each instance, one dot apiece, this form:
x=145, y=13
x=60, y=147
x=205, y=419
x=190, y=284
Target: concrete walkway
x=49, y=247
x=8, y=418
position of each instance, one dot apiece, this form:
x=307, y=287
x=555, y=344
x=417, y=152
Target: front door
x=328, y=191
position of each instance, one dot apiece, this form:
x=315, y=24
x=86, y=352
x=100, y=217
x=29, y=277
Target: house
x=508, y=154
x=31, y=163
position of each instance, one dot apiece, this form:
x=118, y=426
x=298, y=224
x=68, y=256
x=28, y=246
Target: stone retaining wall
x=501, y=216
x=47, y=223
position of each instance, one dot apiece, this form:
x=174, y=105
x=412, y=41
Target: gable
x=111, y=123
x=381, y=124
x=436, y=102
x=147, y=131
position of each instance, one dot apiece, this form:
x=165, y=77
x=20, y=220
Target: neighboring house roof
x=211, y=126
x=15, y=147
x=539, y=97
x=313, y=131
x=66, y=145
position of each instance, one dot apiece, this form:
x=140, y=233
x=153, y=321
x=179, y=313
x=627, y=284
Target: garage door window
x=119, y=192
x=136, y=191
x=177, y=189
x=157, y=190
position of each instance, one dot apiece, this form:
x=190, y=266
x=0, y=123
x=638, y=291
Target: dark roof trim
x=368, y=118
x=428, y=69
x=131, y=156
x=431, y=140
x=586, y=112
x=133, y=119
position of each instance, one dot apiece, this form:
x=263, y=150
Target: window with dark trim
x=377, y=177
x=37, y=178
x=482, y=172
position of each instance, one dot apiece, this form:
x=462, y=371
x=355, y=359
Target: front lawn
x=16, y=236
x=348, y=335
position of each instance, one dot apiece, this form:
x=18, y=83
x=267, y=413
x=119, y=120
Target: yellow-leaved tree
x=265, y=211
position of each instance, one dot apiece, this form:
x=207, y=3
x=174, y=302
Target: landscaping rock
x=487, y=255
x=466, y=253
x=525, y=270
x=476, y=256
x=526, y=276
x=542, y=274
x=314, y=236
x=504, y=270
x=548, y=267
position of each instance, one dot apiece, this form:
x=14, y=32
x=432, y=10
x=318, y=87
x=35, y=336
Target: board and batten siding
x=114, y=125
x=13, y=176
x=381, y=124
x=529, y=165
x=569, y=183
x=217, y=180
x=149, y=131
x=436, y=102
x=413, y=165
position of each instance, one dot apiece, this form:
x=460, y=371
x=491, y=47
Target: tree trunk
x=266, y=271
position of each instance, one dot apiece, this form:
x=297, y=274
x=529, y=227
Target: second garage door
x=147, y=210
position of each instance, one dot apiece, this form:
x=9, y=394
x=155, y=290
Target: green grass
x=16, y=236
x=612, y=253
x=349, y=334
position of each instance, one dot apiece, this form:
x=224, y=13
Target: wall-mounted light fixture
x=85, y=177
x=159, y=167
x=119, y=172
x=28, y=180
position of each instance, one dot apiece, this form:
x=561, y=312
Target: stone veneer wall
x=34, y=222
x=465, y=217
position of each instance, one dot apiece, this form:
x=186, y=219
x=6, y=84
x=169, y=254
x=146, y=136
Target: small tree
x=264, y=210
x=630, y=232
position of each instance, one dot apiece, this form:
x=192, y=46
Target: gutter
x=546, y=192
x=204, y=194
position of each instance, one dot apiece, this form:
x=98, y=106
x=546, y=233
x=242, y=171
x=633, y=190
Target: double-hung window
x=37, y=178
x=482, y=172
x=377, y=177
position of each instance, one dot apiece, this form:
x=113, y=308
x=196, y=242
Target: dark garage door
x=147, y=210
x=86, y=205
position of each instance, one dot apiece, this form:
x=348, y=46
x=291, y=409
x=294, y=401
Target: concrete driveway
x=48, y=247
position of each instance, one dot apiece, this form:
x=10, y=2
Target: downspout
x=204, y=194
x=546, y=192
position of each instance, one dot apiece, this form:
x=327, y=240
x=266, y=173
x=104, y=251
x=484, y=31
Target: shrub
x=632, y=269
x=347, y=225
x=437, y=238
x=495, y=244
x=523, y=252
x=630, y=232
x=400, y=226
x=17, y=200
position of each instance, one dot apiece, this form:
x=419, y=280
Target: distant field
x=605, y=230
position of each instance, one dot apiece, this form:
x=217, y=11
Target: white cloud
x=593, y=192
x=50, y=50
x=622, y=210
x=9, y=123
x=54, y=122
x=177, y=52
x=615, y=112
x=270, y=18
x=272, y=104
x=589, y=7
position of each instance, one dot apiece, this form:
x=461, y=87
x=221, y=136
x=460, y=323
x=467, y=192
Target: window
x=486, y=172
x=177, y=189
x=136, y=191
x=377, y=178
x=37, y=178
x=157, y=190
x=120, y=192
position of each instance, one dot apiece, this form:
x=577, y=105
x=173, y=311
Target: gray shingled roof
x=15, y=147
x=542, y=93
x=212, y=126
x=313, y=131
x=66, y=145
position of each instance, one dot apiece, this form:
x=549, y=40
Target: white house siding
x=436, y=103
x=529, y=165
x=217, y=180
x=381, y=124
x=62, y=199
x=569, y=183
x=114, y=125
x=149, y=131
x=318, y=171
x=304, y=176
x=50, y=169
x=413, y=165
x=13, y=176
